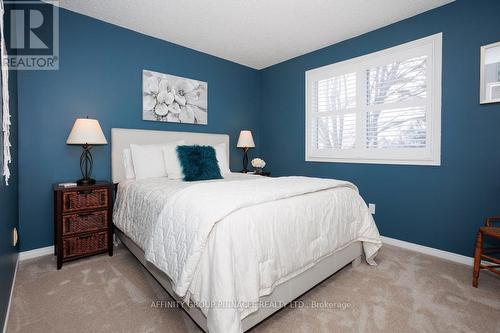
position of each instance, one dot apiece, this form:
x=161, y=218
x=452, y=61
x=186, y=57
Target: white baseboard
x=43, y=251
x=10, y=297
x=429, y=251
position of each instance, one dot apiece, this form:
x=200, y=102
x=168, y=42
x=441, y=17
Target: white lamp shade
x=245, y=140
x=86, y=132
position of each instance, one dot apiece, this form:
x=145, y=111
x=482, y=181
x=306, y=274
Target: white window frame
x=431, y=155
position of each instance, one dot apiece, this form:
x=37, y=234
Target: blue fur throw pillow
x=198, y=163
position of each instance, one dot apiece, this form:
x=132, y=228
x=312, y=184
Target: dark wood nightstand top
x=98, y=184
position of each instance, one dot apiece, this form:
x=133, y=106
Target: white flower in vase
x=258, y=164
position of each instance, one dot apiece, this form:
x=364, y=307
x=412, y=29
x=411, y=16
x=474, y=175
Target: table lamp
x=86, y=133
x=245, y=142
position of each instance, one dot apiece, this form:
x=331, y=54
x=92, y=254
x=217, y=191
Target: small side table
x=83, y=221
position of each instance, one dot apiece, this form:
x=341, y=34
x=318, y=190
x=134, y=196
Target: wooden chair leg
x=477, y=258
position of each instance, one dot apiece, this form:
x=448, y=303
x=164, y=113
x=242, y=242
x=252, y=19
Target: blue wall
x=9, y=207
x=100, y=76
x=441, y=206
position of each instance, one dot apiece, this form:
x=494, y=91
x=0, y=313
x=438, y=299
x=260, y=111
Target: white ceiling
x=256, y=33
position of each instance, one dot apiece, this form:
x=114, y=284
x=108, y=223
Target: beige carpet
x=406, y=292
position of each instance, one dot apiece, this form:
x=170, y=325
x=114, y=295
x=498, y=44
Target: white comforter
x=226, y=243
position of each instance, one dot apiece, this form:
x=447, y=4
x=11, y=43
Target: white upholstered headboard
x=121, y=138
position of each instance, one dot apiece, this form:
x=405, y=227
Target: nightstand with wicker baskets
x=82, y=221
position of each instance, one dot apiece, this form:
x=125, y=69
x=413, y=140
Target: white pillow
x=220, y=153
x=172, y=164
x=128, y=164
x=148, y=161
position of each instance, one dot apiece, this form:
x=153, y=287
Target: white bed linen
x=240, y=249
x=139, y=203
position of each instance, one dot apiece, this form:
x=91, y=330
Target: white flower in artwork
x=197, y=97
x=164, y=85
x=161, y=109
x=148, y=102
x=151, y=85
x=174, y=99
x=185, y=86
x=199, y=114
x=165, y=97
x=181, y=100
x=174, y=108
x=173, y=118
x=186, y=115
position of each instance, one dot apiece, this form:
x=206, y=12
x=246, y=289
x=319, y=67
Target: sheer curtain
x=5, y=142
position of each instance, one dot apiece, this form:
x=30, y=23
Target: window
x=384, y=107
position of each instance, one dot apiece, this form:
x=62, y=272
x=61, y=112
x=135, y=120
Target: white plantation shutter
x=334, y=118
x=396, y=104
x=380, y=108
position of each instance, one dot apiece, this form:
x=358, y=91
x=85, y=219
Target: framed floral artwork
x=171, y=98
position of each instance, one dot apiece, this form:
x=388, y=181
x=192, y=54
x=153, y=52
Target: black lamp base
x=86, y=165
x=85, y=181
x=245, y=160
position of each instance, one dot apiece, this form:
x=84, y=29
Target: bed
x=234, y=251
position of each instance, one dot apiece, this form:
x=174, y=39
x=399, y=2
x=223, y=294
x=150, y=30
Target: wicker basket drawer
x=81, y=245
x=83, y=222
x=85, y=199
